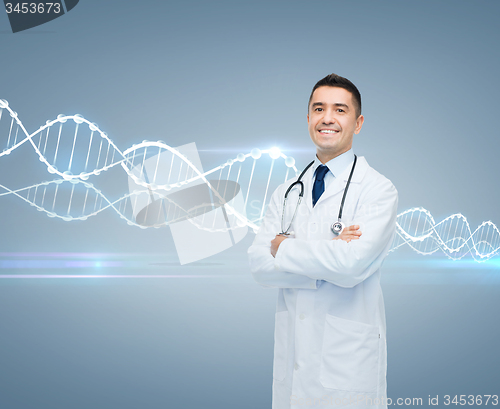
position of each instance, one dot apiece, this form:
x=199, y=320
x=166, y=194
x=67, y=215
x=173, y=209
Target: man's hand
x=275, y=243
x=349, y=233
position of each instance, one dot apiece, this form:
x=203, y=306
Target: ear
x=307, y=119
x=359, y=124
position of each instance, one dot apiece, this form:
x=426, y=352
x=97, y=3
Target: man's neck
x=325, y=157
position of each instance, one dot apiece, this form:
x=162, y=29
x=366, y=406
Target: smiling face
x=332, y=121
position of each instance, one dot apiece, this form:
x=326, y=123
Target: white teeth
x=328, y=131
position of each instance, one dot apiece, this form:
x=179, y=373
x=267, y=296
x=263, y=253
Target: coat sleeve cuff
x=281, y=255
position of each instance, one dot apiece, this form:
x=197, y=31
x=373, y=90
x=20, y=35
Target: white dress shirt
x=336, y=166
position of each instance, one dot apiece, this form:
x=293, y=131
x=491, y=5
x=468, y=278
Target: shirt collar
x=336, y=165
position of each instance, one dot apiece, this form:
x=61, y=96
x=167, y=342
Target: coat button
x=296, y=367
x=302, y=316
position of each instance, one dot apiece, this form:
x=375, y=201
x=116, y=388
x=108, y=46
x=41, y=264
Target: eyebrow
x=337, y=104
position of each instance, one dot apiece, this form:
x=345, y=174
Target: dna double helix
x=452, y=236
x=75, y=150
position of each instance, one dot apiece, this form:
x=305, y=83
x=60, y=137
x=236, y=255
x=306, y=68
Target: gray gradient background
x=232, y=76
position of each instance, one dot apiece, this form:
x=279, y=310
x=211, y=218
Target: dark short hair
x=334, y=80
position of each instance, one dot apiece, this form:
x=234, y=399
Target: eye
x=318, y=109
x=340, y=110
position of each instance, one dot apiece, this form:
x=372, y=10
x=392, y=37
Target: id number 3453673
x=39, y=8
x=470, y=400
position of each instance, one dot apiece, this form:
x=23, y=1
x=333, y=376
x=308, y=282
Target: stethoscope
x=337, y=226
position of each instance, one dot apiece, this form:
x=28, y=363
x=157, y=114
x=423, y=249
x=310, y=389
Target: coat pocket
x=350, y=355
x=280, y=345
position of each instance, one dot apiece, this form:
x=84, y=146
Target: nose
x=329, y=117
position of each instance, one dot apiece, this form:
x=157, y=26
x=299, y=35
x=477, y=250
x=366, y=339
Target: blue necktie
x=319, y=183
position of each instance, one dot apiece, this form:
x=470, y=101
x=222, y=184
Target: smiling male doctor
x=330, y=331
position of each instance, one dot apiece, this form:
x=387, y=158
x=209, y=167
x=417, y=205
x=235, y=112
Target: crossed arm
x=350, y=258
x=348, y=234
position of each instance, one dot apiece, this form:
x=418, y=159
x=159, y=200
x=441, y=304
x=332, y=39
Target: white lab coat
x=330, y=330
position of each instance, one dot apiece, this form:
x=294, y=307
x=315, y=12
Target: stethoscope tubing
x=335, y=226
x=347, y=187
x=301, y=194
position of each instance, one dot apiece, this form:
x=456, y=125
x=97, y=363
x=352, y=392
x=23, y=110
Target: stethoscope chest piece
x=337, y=227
